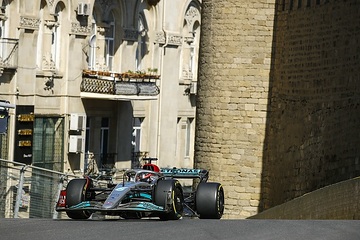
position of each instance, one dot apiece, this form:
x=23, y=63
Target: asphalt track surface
x=153, y=229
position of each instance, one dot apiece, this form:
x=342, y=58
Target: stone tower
x=278, y=108
x=234, y=67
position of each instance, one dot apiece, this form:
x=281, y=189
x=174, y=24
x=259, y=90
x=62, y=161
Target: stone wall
x=278, y=98
x=312, y=133
x=235, y=59
x=337, y=201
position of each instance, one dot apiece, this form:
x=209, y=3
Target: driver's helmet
x=143, y=177
x=147, y=177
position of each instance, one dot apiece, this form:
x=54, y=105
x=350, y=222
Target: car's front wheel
x=76, y=192
x=168, y=194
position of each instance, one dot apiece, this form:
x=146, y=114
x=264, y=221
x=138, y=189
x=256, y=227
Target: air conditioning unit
x=83, y=9
x=75, y=144
x=193, y=88
x=77, y=122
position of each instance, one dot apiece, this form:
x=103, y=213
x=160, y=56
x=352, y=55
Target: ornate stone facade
x=59, y=41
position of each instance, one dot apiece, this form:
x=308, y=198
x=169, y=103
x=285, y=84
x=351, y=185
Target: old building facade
x=110, y=80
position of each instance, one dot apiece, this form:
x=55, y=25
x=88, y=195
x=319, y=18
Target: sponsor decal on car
x=180, y=171
x=120, y=189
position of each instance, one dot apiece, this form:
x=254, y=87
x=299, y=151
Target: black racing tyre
x=75, y=194
x=209, y=200
x=175, y=203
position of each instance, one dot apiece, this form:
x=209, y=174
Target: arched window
x=191, y=33
x=141, y=44
x=109, y=43
x=193, y=45
x=3, y=29
x=92, y=45
x=55, y=38
x=50, y=37
x=40, y=50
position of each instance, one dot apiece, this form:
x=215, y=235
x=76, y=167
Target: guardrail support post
x=60, y=187
x=19, y=192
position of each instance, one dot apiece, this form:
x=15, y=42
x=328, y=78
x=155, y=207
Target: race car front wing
x=93, y=206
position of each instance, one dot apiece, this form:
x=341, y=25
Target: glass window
x=188, y=136
x=136, y=135
x=104, y=140
x=109, y=44
x=56, y=37
x=92, y=45
x=141, y=47
x=48, y=143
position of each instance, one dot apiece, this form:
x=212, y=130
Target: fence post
x=19, y=191
x=60, y=187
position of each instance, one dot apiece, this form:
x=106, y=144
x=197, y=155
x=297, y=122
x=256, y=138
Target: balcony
x=119, y=86
x=8, y=54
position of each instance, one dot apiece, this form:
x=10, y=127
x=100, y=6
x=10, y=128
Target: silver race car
x=145, y=192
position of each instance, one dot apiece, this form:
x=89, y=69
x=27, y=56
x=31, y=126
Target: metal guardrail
x=29, y=192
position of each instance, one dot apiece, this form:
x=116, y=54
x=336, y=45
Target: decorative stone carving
x=131, y=34
x=192, y=14
x=174, y=39
x=51, y=23
x=160, y=37
x=47, y=62
x=50, y=2
x=186, y=73
x=29, y=22
x=78, y=29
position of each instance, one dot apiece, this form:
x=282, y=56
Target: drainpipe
x=162, y=70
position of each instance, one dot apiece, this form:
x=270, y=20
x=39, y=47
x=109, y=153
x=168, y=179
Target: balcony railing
x=9, y=53
x=128, y=84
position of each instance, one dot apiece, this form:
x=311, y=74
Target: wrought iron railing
x=119, y=84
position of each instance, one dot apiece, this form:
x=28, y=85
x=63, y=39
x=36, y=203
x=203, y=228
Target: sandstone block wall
x=235, y=59
x=313, y=122
x=337, y=201
x=278, y=98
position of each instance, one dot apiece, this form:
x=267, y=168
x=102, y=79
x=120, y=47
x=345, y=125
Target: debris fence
x=29, y=192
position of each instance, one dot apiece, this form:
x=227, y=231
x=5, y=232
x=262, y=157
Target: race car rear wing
x=185, y=173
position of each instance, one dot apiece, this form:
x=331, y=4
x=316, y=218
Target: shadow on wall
x=312, y=135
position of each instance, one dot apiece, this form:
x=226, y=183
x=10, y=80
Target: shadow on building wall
x=312, y=132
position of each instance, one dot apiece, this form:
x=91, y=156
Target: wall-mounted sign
x=25, y=117
x=24, y=134
x=26, y=143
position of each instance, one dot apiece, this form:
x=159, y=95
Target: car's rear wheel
x=76, y=192
x=210, y=200
x=168, y=194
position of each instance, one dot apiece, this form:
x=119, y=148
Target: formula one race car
x=145, y=192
